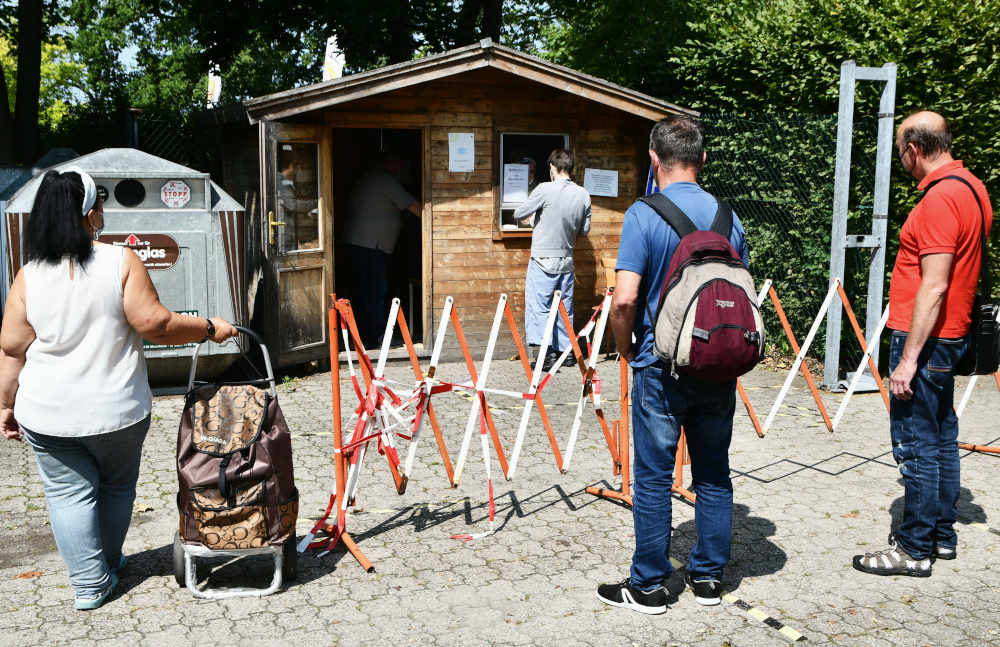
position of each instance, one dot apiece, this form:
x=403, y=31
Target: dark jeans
x=371, y=282
x=660, y=405
x=924, y=432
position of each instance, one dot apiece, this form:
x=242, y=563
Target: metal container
x=189, y=233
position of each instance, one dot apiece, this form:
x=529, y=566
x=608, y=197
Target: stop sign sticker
x=175, y=194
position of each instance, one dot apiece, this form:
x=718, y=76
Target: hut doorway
x=357, y=154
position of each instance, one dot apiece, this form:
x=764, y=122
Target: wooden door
x=297, y=224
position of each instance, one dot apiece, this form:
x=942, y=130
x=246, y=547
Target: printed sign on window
x=175, y=194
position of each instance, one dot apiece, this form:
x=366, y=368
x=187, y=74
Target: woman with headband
x=72, y=357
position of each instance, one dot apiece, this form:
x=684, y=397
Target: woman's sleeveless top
x=85, y=373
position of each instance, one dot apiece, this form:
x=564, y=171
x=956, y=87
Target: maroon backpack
x=707, y=324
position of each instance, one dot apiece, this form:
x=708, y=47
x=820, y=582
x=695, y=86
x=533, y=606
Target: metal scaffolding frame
x=840, y=241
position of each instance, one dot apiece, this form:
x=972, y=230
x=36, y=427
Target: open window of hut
x=524, y=165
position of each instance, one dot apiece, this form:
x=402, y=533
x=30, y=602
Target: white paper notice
x=461, y=152
x=601, y=182
x=515, y=182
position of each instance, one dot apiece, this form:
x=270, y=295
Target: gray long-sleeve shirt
x=562, y=212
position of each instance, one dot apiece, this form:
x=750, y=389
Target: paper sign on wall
x=461, y=152
x=515, y=182
x=601, y=182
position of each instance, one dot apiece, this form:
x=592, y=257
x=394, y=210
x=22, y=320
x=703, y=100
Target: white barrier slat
x=763, y=291
x=435, y=356
x=872, y=344
x=578, y=418
x=802, y=353
x=966, y=396
x=390, y=325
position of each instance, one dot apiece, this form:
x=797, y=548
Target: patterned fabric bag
x=234, y=465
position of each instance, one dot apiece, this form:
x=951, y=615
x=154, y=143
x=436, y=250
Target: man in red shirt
x=930, y=302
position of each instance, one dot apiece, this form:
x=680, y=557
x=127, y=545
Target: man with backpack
x=680, y=385
x=933, y=288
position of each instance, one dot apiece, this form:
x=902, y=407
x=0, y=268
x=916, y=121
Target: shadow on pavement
x=426, y=516
x=753, y=554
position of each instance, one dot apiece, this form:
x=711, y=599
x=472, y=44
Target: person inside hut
x=374, y=222
x=560, y=210
x=298, y=211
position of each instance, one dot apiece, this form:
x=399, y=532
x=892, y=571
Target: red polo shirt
x=946, y=220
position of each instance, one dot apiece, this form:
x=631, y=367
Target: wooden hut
x=514, y=106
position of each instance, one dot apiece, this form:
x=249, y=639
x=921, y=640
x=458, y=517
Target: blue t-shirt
x=647, y=245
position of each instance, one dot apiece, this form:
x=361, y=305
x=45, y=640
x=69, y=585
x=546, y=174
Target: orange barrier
x=428, y=406
x=986, y=449
x=336, y=532
x=861, y=340
x=590, y=383
x=621, y=465
x=795, y=348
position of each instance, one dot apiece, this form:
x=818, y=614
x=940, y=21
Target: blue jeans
x=538, y=288
x=369, y=267
x=924, y=432
x=89, y=483
x=660, y=405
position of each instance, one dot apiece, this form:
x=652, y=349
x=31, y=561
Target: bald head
x=926, y=130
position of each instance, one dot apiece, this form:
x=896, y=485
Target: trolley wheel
x=179, y=571
x=289, y=560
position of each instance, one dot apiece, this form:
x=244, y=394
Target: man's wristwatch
x=210, y=333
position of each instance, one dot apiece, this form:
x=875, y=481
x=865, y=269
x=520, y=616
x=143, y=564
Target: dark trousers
x=369, y=269
x=924, y=432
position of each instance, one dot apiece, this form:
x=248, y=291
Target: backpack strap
x=984, y=273
x=723, y=223
x=671, y=213
x=664, y=207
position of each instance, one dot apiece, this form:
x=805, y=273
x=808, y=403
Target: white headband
x=89, y=188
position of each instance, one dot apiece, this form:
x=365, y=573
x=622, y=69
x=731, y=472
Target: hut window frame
x=541, y=166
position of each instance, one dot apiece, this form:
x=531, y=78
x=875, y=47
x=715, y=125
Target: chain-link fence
x=777, y=171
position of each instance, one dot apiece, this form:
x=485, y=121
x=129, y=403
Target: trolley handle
x=269, y=376
x=251, y=334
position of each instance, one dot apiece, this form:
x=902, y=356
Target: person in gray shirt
x=561, y=212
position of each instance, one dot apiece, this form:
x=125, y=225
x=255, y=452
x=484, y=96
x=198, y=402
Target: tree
x=620, y=40
x=26, y=25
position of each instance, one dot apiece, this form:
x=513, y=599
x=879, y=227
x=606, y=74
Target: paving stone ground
x=806, y=501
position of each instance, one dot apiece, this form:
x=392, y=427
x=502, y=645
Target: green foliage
x=619, y=40
x=61, y=76
x=786, y=54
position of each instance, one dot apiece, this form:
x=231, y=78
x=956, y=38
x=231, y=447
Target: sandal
x=892, y=561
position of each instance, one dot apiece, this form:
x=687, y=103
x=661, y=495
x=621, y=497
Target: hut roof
x=484, y=54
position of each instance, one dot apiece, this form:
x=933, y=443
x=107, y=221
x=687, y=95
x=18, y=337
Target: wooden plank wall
x=469, y=259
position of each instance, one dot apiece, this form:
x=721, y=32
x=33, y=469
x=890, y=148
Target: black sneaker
x=550, y=359
x=623, y=594
x=944, y=552
x=707, y=591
